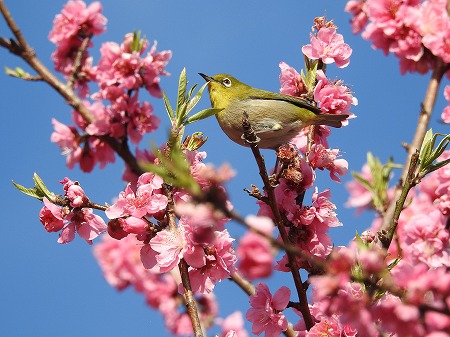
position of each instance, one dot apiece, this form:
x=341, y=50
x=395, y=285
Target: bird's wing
x=301, y=103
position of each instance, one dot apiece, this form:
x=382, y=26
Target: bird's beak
x=206, y=77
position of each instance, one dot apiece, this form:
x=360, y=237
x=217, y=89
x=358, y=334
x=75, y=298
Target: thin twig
x=191, y=304
x=409, y=183
x=250, y=136
x=77, y=62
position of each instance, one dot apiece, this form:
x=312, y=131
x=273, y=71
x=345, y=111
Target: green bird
x=275, y=118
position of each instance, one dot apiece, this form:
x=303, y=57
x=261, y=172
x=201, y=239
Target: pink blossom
x=322, y=158
x=85, y=223
x=320, y=137
x=359, y=19
x=233, y=326
x=75, y=23
x=220, y=260
x=328, y=46
x=142, y=120
x=170, y=245
x=322, y=210
x=360, y=197
x=435, y=28
x=446, y=113
x=78, y=19
x=123, y=68
x=147, y=201
x=76, y=195
x=154, y=64
x=265, y=313
x=426, y=239
x=333, y=98
x=327, y=327
x=51, y=216
x=254, y=252
x=68, y=141
x=203, y=221
x=291, y=81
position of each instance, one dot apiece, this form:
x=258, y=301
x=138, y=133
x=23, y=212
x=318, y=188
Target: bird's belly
x=267, y=118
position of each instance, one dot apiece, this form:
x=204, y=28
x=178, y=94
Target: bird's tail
x=329, y=120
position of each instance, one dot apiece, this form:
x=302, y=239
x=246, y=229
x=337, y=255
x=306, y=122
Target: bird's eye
x=226, y=82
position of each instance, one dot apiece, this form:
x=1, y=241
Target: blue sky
x=49, y=289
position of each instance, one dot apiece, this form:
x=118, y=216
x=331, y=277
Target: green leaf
x=169, y=109
x=426, y=147
x=32, y=192
x=437, y=166
x=362, y=181
x=441, y=147
x=193, y=102
x=182, y=83
x=39, y=184
x=16, y=72
x=428, y=154
x=202, y=115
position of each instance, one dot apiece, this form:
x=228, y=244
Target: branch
x=252, y=140
x=191, y=304
x=424, y=118
x=78, y=61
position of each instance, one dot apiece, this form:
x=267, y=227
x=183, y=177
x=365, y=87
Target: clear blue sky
x=49, y=289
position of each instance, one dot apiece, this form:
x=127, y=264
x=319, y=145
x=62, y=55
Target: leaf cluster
x=186, y=101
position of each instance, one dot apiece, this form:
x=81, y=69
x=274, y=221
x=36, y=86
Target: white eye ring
x=226, y=82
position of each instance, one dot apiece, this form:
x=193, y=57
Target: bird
x=275, y=118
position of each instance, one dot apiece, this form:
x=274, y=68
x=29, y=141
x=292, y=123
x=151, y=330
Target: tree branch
x=424, y=118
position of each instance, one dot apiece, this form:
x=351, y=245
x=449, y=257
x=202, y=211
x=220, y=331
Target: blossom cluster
x=417, y=287
x=415, y=31
x=122, y=268
x=123, y=69
x=72, y=215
